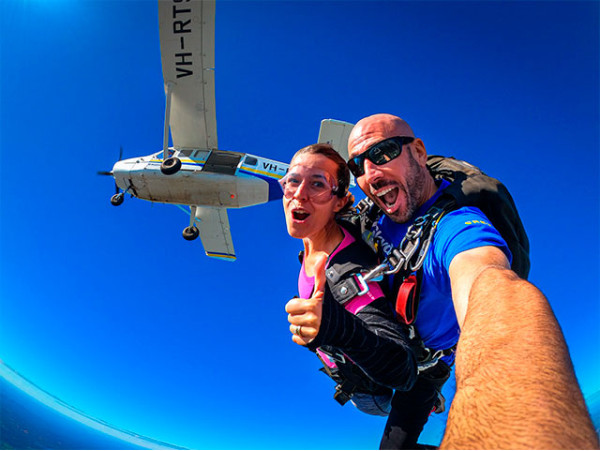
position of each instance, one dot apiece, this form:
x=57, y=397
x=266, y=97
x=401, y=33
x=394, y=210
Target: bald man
x=467, y=256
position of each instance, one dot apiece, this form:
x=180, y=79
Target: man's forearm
x=515, y=384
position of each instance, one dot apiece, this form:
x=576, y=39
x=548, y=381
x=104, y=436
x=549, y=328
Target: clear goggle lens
x=317, y=184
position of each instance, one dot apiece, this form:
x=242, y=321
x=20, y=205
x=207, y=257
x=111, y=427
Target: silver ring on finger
x=298, y=331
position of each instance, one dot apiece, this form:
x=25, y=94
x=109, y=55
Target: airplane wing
x=213, y=224
x=187, y=47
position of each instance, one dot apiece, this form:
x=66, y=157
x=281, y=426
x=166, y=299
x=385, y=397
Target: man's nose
x=372, y=172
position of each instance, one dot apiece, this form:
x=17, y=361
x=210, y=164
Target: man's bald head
x=375, y=128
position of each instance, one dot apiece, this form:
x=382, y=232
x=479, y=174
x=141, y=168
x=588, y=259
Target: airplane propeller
x=118, y=197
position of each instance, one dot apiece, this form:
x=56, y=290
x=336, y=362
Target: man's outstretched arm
x=515, y=384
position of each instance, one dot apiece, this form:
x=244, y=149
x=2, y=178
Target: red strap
x=405, y=299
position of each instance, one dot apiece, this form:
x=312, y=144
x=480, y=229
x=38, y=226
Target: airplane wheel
x=117, y=199
x=170, y=166
x=191, y=233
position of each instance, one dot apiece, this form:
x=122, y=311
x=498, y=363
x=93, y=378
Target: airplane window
x=251, y=161
x=200, y=155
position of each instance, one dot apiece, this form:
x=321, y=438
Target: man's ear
x=419, y=151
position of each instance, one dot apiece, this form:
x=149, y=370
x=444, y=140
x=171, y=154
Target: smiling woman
x=34, y=419
x=348, y=324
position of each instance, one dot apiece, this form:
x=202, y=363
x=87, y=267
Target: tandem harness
x=405, y=263
x=346, y=279
x=469, y=186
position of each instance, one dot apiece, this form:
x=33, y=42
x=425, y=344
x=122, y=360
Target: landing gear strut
x=170, y=164
x=118, y=198
x=191, y=232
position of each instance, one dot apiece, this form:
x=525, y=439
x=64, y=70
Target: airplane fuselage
x=207, y=178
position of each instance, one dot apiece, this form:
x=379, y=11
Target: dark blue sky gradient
x=110, y=310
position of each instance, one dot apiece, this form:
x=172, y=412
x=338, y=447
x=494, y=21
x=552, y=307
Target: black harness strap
x=344, y=273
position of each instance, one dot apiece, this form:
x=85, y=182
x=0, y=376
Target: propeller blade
x=111, y=172
x=120, y=158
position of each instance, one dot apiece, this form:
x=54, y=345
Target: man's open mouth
x=388, y=195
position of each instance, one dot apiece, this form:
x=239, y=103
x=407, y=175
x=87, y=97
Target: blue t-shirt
x=457, y=231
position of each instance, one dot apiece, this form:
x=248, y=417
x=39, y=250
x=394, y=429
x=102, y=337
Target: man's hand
x=304, y=315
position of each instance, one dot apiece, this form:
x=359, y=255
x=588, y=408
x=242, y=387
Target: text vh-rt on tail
x=193, y=172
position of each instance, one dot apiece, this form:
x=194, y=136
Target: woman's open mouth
x=299, y=214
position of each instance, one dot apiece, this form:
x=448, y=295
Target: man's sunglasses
x=380, y=153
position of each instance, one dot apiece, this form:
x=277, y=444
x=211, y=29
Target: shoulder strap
x=344, y=271
x=472, y=187
x=359, y=221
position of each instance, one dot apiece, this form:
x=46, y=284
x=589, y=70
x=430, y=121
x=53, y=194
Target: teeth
x=382, y=193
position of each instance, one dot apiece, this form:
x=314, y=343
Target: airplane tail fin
x=336, y=133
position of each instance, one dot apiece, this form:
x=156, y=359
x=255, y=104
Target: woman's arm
x=373, y=339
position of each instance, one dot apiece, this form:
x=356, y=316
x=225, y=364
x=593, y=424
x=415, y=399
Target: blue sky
x=110, y=310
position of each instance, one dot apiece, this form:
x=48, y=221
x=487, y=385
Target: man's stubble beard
x=415, y=184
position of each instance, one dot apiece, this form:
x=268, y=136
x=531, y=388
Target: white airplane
x=194, y=172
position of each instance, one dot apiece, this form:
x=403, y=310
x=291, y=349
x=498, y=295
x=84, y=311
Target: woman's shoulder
x=355, y=251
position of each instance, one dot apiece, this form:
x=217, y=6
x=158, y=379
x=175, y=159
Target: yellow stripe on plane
x=228, y=257
x=257, y=171
x=245, y=168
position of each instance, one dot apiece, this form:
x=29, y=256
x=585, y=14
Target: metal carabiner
x=375, y=273
x=362, y=283
x=435, y=219
x=406, y=251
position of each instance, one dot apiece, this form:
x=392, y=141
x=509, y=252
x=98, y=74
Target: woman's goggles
x=317, y=184
x=380, y=153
